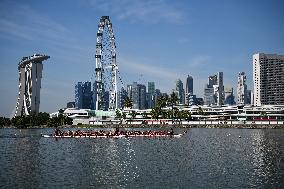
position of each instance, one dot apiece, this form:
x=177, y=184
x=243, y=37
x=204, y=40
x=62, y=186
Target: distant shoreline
x=231, y=126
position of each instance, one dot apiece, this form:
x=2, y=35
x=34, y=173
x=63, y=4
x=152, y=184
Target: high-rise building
x=137, y=93
x=249, y=97
x=84, y=95
x=142, y=96
x=189, y=90
x=220, y=89
x=122, y=94
x=209, y=95
x=30, y=74
x=214, y=90
x=151, y=95
x=229, y=96
x=180, y=92
x=189, y=85
x=268, y=78
x=242, y=89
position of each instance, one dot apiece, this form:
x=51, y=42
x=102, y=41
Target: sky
x=156, y=40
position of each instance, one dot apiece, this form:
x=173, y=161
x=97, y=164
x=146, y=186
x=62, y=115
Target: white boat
x=114, y=136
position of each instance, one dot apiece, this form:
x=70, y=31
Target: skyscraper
x=122, y=94
x=209, y=96
x=180, y=91
x=229, y=96
x=30, y=74
x=83, y=95
x=188, y=90
x=151, y=95
x=220, y=89
x=189, y=85
x=242, y=89
x=214, y=90
x=268, y=78
x=137, y=93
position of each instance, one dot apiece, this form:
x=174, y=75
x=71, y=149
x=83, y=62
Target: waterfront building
x=242, y=89
x=84, y=95
x=268, y=78
x=30, y=74
x=179, y=90
x=193, y=100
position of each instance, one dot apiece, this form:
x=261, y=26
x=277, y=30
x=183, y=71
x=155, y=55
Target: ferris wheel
x=106, y=67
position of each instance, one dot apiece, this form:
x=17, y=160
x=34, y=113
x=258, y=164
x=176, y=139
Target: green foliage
x=4, y=121
x=40, y=119
x=155, y=112
x=133, y=114
x=127, y=102
x=173, y=99
x=118, y=114
x=200, y=111
x=263, y=114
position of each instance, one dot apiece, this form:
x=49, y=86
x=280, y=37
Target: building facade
x=180, y=92
x=30, y=74
x=209, y=95
x=189, y=85
x=242, y=89
x=137, y=93
x=84, y=95
x=220, y=89
x=229, y=96
x=151, y=95
x=268, y=78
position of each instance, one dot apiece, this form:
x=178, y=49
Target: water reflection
x=118, y=166
x=204, y=158
x=266, y=159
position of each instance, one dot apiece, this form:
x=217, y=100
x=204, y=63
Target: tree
x=118, y=114
x=127, y=102
x=4, y=121
x=61, y=116
x=173, y=100
x=200, y=111
x=162, y=101
x=133, y=114
x=155, y=112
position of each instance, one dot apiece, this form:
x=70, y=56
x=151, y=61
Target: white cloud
x=146, y=10
x=200, y=61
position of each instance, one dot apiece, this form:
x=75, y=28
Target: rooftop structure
x=30, y=74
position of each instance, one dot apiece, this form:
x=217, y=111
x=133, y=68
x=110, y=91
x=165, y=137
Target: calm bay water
x=203, y=158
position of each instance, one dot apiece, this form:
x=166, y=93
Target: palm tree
x=155, y=112
x=61, y=116
x=173, y=101
x=127, y=102
x=162, y=101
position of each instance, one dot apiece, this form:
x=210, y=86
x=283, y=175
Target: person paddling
x=171, y=131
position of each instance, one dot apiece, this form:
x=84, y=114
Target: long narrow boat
x=111, y=136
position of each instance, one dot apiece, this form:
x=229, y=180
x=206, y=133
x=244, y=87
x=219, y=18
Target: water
x=203, y=158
